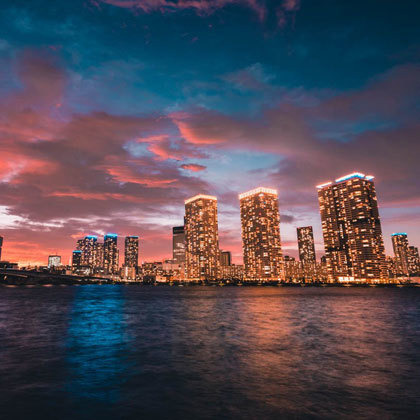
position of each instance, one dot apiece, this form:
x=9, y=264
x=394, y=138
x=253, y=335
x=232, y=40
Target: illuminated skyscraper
x=178, y=244
x=413, y=261
x=90, y=251
x=261, y=243
x=351, y=228
x=401, y=252
x=76, y=261
x=98, y=256
x=306, y=244
x=111, y=253
x=307, y=257
x=201, y=238
x=131, y=251
x=1, y=245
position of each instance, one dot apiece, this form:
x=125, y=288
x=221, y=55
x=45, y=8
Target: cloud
x=193, y=167
x=304, y=136
x=63, y=173
x=61, y=166
x=201, y=7
x=204, y=7
x=175, y=149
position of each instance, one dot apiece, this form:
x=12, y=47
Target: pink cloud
x=193, y=167
x=125, y=174
x=202, y=132
x=204, y=7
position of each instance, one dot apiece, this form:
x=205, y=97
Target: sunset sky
x=112, y=112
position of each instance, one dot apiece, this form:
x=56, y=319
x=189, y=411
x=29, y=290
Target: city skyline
x=351, y=229
x=113, y=112
x=110, y=257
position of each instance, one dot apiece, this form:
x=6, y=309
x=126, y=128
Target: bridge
x=23, y=277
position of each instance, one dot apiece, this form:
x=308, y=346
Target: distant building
x=391, y=267
x=6, y=265
x=1, y=245
x=201, y=238
x=413, y=261
x=225, y=258
x=232, y=272
x=76, y=260
x=111, y=253
x=131, y=251
x=306, y=244
x=178, y=244
x=54, y=261
x=351, y=228
x=293, y=270
x=128, y=273
x=261, y=243
x=401, y=252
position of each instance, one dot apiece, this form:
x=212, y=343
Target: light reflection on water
x=151, y=352
x=96, y=343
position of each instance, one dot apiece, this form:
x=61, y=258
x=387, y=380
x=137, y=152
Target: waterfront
x=168, y=352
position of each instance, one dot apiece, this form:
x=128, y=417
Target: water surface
x=114, y=351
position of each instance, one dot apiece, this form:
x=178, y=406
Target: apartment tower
x=401, y=252
x=351, y=227
x=111, y=253
x=201, y=238
x=261, y=243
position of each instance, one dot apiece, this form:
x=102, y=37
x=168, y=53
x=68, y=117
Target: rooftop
x=346, y=178
x=259, y=190
x=198, y=196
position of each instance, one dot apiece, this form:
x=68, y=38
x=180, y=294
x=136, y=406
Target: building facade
x=76, y=260
x=111, y=253
x=54, y=261
x=260, y=221
x=131, y=251
x=401, y=252
x=351, y=228
x=178, y=244
x=413, y=261
x=307, y=256
x=202, y=238
x=89, y=247
x=306, y=244
x=225, y=258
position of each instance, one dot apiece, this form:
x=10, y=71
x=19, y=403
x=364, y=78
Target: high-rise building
x=76, y=261
x=1, y=245
x=201, y=238
x=131, y=251
x=261, y=243
x=98, y=256
x=401, y=252
x=111, y=253
x=178, y=244
x=90, y=251
x=306, y=244
x=413, y=261
x=351, y=228
x=54, y=261
x=225, y=258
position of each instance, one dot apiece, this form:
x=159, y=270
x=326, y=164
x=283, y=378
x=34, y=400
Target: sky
x=113, y=112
